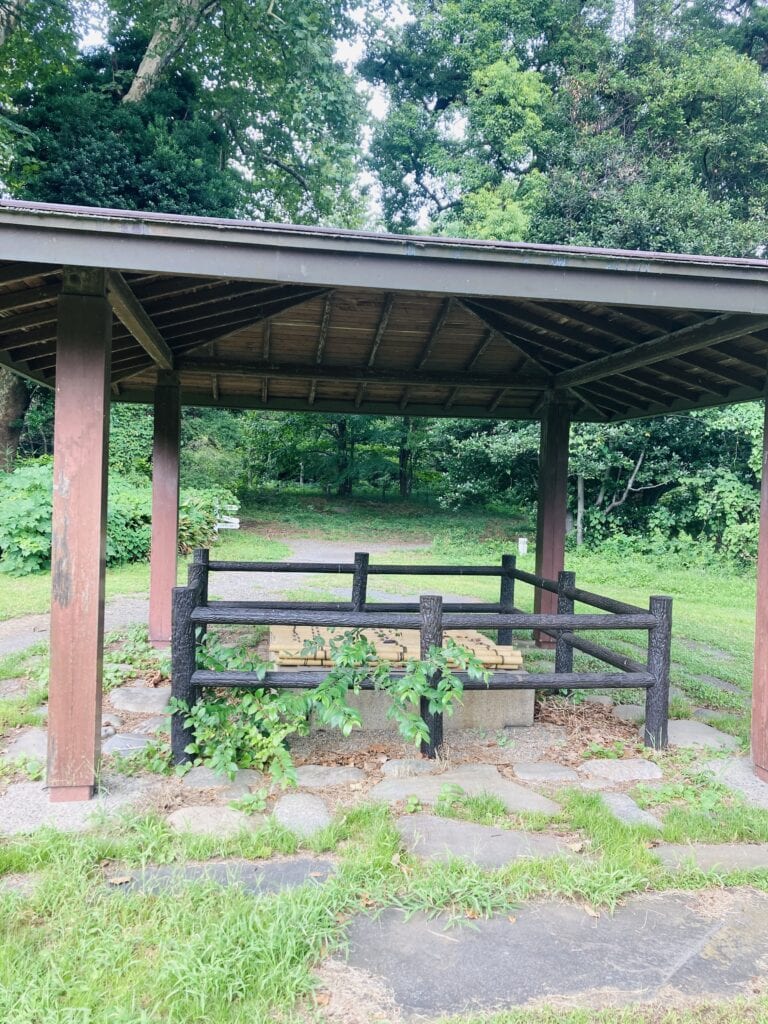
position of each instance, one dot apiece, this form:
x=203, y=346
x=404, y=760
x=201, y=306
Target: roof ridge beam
x=724, y=327
x=130, y=312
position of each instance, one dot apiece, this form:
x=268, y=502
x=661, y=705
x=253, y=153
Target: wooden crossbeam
x=724, y=327
x=356, y=374
x=130, y=312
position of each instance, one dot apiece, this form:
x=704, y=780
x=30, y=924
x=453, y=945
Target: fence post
x=431, y=635
x=507, y=596
x=360, y=581
x=197, y=575
x=563, y=650
x=657, y=696
x=183, y=664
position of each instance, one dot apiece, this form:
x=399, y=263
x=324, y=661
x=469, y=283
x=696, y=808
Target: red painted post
x=165, y=507
x=760, y=672
x=83, y=356
x=552, y=505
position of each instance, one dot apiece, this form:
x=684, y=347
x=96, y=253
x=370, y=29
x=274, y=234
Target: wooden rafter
x=381, y=327
x=130, y=312
x=725, y=327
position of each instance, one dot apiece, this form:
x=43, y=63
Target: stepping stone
x=24, y=885
x=708, y=715
x=32, y=743
x=254, y=876
x=722, y=857
x=125, y=743
x=654, y=946
x=474, y=779
x=738, y=774
x=110, y=723
x=142, y=699
x=25, y=806
x=544, y=772
x=721, y=684
x=625, y=809
x=435, y=838
x=615, y=770
x=302, y=813
x=245, y=779
x=633, y=713
x=687, y=733
x=320, y=776
x=14, y=687
x=152, y=726
x=211, y=820
x=406, y=767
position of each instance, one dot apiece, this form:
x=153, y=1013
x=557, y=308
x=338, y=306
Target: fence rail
x=193, y=612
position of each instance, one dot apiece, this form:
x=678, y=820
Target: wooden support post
x=431, y=635
x=563, y=650
x=183, y=664
x=657, y=696
x=360, y=581
x=552, y=505
x=507, y=596
x=760, y=670
x=78, y=545
x=165, y=507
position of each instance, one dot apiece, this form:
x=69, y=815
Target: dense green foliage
x=641, y=125
x=589, y=124
x=195, y=107
x=25, y=518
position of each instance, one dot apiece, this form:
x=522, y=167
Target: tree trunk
x=14, y=399
x=344, y=459
x=10, y=12
x=579, y=510
x=167, y=42
x=405, y=460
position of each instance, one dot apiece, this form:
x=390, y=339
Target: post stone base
x=492, y=710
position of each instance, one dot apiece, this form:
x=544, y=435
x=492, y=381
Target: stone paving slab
x=406, y=767
x=617, y=771
x=321, y=776
x=253, y=876
x=668, y=943
x=213, y=820
x=544, y=772
x=29, y=743
x=474, y=779
x=302, y=813
x=125, y=743
x=738, y=774
x=24, y=806
x=434, y=838
x=721, y=857
x=625, y=809
x=202, y=778
x=690, y=733
x=633, y=713
x=149, y=700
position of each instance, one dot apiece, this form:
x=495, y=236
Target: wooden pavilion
x=109, y=305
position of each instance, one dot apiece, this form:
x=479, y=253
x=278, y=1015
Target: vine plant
x=251, y=728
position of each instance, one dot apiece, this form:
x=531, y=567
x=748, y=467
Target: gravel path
x=20, y=633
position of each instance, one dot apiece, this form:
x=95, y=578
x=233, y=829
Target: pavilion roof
x=302, y=318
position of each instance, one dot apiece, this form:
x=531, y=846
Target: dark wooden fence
x=192, y=613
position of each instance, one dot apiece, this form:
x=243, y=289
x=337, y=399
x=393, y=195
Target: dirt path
x=21, y=633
